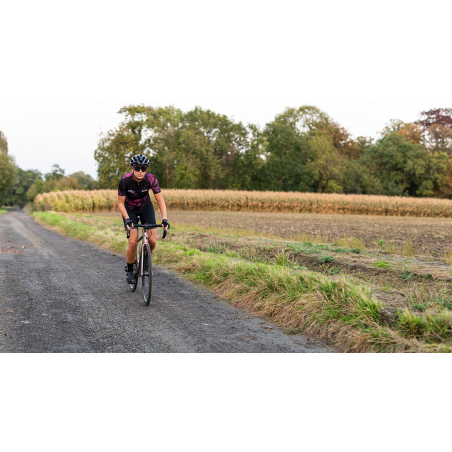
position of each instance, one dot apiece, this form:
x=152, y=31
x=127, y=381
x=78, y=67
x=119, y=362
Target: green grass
x=2, y=211
x=309, y=247
x=325, y=259
x=333, y=307
x=382, y=264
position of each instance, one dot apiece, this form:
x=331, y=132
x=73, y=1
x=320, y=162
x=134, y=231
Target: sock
x=130, y=267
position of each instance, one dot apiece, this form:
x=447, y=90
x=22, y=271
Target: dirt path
x=61, y=295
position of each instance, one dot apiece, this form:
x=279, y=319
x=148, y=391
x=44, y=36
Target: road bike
x=142, y=267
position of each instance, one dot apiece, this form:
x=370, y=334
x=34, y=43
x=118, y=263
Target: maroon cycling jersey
x=137, y=193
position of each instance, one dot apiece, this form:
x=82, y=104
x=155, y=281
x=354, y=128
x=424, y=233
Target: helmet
x=139, y=160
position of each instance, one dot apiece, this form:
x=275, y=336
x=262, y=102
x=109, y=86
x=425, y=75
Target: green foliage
x=300, y=150
x=31, y=183
x=17, y=194
x=7, y=169
x=382, y=264
x=288, y=153
x=358, y=179
x=406, y=168
x=325, y=259
x=430, y=327
x=197, y=149
x=3, y=143
x=85, y=181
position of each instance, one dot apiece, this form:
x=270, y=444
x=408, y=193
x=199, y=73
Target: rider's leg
x=148, y=216
x=132, y=246
x=152, y=236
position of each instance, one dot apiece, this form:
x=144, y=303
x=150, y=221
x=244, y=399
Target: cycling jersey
x=137, y=193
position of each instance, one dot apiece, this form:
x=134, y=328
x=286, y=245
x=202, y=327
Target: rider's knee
x=133, y=242
x=152, y=242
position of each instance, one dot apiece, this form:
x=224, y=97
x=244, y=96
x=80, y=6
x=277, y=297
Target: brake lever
x=165, y=233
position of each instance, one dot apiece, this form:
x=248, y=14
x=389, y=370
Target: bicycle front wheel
x=146, y=273
x=133, y=286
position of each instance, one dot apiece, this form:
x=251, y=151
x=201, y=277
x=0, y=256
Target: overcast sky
x=67, y=67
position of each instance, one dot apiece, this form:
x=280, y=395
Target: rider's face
x=139, y=174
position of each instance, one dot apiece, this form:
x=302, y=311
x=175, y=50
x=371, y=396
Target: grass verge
x=335, y=309
x=3, y=211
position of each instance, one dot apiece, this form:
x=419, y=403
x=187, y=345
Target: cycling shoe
x=130, y=278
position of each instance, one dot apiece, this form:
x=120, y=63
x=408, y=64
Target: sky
x=66, y=68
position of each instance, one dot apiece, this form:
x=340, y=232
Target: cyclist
x=136, y=205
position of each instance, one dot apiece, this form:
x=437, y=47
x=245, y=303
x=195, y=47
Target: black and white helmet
x=139, y=160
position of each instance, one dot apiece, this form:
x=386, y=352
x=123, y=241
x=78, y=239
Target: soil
x=430, y=236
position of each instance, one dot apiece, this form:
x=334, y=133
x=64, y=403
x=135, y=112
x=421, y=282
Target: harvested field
x=431, y=237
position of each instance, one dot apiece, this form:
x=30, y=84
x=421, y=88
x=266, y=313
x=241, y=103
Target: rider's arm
x=162, y=205
x=122, y=208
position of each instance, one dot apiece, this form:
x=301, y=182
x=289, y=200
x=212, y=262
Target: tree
x=288, y=150
x=3, y=143
x=248, y=166
x=85, y=181
x=7, y=175
x=442, y=116
x=411, y=132
x=57, y=173
x=437, y=125
x=17, y=194
x=359, y=180
x=406, y=168
x=7, y=168
x=56, y=180
x=326, y=167
x=164, y=124
x=439, y=138
x=113, y=154
x=208, y=143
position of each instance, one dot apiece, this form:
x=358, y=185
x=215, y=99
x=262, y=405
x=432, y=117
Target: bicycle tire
x=133, y=287
x=146, y=273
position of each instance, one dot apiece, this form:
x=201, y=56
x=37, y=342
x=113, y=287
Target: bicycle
x=142, y=267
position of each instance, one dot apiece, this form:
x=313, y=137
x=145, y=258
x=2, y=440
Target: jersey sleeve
x=122, y=187
x=154, y=185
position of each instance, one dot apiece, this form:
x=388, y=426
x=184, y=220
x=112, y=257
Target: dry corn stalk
x=254, y=201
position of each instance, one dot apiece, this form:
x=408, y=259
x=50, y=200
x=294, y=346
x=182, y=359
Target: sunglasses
x=140, y=168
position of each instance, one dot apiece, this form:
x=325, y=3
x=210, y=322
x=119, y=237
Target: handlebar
x=148, y=226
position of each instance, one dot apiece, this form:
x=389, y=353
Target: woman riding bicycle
x=136, y=206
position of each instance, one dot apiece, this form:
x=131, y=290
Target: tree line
x=18, y=186
x=301, y=150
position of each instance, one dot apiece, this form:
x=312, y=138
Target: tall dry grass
x=254, y=201
x=77, y=201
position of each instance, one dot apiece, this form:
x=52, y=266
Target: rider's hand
x=165, y=224
x=129, y=223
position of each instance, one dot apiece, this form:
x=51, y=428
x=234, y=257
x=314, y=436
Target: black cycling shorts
x=141, y=216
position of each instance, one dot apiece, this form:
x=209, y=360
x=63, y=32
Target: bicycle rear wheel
x=146, y=274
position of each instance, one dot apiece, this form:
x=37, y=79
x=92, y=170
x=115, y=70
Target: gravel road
x=59, y=294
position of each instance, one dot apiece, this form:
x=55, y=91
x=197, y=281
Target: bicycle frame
x=145, y=239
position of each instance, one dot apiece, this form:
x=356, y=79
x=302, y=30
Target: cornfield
x=253, y=201
x=77, y=201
